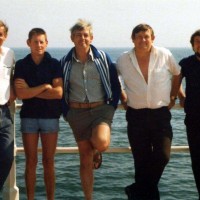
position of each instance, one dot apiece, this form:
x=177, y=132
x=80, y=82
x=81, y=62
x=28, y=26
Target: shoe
x=153, y=193
x=129, y=190
x=97, y=159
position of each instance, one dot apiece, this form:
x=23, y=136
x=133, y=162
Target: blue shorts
x=32, y=125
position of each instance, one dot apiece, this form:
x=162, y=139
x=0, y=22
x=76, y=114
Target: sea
x=117, y=170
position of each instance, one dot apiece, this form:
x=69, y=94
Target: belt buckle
x=1, y=106
x=83, y=105
x=88, y=105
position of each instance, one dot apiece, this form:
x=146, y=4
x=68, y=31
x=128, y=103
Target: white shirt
x=155, y=94
x=7, y=60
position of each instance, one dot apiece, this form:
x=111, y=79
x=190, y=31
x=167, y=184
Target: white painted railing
x=11, y=191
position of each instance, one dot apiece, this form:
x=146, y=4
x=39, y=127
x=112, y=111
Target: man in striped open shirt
x=91, y=94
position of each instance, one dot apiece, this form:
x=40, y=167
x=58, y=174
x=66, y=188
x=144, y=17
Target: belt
x=152, y=110
x=85, y=105
x=5, y=105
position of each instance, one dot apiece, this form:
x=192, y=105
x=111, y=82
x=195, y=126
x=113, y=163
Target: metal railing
x=11, y=191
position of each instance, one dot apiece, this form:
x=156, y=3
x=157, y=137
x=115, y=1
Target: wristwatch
x=173, y=98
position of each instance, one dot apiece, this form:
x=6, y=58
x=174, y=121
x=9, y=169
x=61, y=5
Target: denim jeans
x=6, y=144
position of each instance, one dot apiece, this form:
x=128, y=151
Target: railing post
x=10, y=190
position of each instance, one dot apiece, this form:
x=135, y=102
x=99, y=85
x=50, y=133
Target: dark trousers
x=6, y=144
x=192, y=123
x=150, y=136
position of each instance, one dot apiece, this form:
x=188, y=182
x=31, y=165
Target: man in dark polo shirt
x=38, y=82
x=190, y=68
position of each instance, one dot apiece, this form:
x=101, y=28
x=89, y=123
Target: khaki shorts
x=83, y=120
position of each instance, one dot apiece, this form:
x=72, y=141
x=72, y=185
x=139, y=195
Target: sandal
x=97, y=160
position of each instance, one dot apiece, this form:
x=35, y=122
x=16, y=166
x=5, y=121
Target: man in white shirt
x=151, y=80
x=6, y=98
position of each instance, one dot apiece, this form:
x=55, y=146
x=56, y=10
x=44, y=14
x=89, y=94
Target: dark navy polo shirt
x=190, y=68
x=35, y=75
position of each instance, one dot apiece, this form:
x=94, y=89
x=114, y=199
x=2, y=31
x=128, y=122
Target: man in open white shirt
x=6, y=97
x=151, y=80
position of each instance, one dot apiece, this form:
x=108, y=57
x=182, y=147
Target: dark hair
x=3, y=24
x=141, y=27
x=36, y=31
x=196, y=33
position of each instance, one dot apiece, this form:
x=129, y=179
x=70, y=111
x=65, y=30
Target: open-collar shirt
x=85, y=81
x=155, y=93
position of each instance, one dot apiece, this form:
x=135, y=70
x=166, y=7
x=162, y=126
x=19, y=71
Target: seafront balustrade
x=11, y=191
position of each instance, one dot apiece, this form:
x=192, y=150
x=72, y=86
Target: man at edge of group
x=38, y=82
x=151, y=80
x=190, y=70
x=91, y=90
x=7, y=96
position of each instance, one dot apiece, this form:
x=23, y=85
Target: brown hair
x=141, y=27
x=36, y=31
x=196, y=33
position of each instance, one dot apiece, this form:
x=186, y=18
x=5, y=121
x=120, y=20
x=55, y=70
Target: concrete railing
x=11, y=191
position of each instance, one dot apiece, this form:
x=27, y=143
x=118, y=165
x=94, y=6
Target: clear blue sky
x=113, y=20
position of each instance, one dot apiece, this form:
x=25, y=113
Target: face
x=143, y=40
x=2, y=35
x=38, y=44
x=196, y=45
x=82, y=39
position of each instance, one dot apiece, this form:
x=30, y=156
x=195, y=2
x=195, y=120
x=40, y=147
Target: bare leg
x=49, y=142
x=101, y=137
x=86, y=168
x=30, y=142
x=100, y=141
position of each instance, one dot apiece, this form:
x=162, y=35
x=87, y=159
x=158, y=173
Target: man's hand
x=172, y=103
x=123, y=99
x=12, y=96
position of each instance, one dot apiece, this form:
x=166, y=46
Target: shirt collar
x=2, y=51
x=91, y=56
x=46, y=58
x=153, y=50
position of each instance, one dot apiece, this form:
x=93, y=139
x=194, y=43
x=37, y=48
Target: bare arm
x=176, y=83
x=55, y=92
x=123, y=99
x=181, y=96
x=12, y=92
x=12, y=96
x=23, y=91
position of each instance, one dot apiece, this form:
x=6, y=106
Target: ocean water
x=117, y=170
